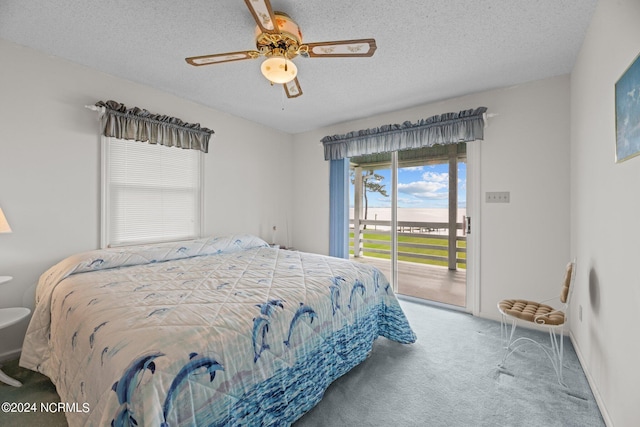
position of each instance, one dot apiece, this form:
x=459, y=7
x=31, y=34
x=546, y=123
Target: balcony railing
x=419, y=242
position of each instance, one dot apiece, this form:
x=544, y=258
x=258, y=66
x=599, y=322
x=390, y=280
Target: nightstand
x=8, y=317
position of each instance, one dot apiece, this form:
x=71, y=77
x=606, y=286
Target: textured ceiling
x=428, y=50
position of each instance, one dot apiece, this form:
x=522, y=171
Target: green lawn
x=384, y=245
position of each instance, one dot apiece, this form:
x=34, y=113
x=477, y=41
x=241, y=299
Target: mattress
x=215, y=331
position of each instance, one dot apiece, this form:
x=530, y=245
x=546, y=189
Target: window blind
x=152, y=193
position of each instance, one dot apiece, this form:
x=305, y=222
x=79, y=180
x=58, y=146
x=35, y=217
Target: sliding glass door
x=370, y=215
x=407, y=214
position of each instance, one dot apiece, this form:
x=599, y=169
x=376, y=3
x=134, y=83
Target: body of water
x=412, y=214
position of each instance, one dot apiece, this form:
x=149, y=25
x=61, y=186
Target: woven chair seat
x=542, y=315
x=532, y=311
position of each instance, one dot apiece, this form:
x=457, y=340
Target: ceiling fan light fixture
x=279, y=70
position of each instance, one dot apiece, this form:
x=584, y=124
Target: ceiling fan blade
x=222, y=57
x=342, y=48
x=263, y=14
x=292, y=88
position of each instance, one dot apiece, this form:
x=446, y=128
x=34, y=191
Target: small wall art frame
x=627, y=98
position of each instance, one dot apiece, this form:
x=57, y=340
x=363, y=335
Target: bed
x=215, y=331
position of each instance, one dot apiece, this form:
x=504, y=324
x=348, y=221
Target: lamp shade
x=4, y=225
x=279, y=70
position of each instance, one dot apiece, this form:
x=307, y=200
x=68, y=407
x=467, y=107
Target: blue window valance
x=448, y=128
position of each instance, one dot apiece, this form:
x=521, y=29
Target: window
x=150, y=193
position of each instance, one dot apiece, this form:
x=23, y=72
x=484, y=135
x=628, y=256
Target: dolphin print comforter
x=216, y=331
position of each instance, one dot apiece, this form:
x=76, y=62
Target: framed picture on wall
x=628, y=113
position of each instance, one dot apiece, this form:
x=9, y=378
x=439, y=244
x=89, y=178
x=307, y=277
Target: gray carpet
x=449, y=377
x=36, y=388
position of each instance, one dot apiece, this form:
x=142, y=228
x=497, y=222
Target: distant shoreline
x=413, y=214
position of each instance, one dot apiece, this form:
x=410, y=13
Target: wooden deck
x=427, y=282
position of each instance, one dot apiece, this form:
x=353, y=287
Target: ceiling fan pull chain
x=282, y=99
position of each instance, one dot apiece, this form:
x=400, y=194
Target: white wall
x=525, y=244
x=49, y=187
x=50, y=168
x=605, y=202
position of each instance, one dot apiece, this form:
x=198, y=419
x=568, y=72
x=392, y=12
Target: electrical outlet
x=497, y=197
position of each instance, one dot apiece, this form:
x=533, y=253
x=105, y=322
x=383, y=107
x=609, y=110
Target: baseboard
x=431, y=303
x=592, y=385
x=10, y=355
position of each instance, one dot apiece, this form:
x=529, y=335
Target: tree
x=371, y=182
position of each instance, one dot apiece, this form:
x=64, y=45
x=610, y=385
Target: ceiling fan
x=279, y=39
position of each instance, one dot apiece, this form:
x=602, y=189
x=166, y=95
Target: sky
x=628, y=113
x=420, y=187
